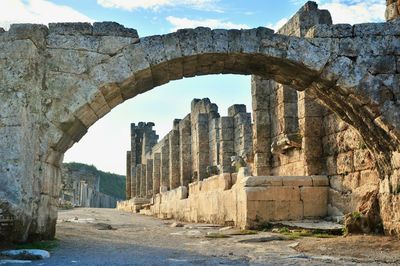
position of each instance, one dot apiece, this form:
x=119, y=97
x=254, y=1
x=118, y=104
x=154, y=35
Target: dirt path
x=142, y=240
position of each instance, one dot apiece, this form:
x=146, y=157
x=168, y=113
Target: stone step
x=321, y=226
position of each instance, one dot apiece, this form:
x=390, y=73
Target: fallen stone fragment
x=176, y=224
x=294, y=245
x=263, y=239
x=104, y=226
x=26, y=254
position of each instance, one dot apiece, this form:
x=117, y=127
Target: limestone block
x=336, y=182
x=344, y=163
x=297, y=181
x=351, y=181
x=275, y=193
x=369, y=177
x=261, y=181
x=113, y=29
x=363, y=160
x=320, y=180
x=315, y=201
x=71, y=28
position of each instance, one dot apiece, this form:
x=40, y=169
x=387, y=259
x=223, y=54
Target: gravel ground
x=140, y=240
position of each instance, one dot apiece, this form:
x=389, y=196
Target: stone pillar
x=143, y=182
x=243, y=133
x=260, y=91
x=213, y=138
x=128, y=175
x=174, y=164
x=310, y=122
x=226, y=149
x=202, y=149
x=156, y=172
x=185, y=154
x=134, y=182
x=164, y=178
x=392, y=9
x=149, y=177
x=138, y=180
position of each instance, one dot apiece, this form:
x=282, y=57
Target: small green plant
x=362, y=145
x=356, y=215
x=244, y=232
x=45, y=245
x=284, y=230
x=216, y=235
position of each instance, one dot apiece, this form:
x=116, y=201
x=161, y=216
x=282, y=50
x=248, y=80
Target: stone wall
x=243, y=201
x=198, y=146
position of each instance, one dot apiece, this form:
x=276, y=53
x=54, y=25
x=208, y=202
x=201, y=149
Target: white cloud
x=355, y=11
x=37, y=11
x=181, y=23
x=130, y=5
x=278, y=24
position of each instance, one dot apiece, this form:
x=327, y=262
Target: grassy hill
x=110, y=184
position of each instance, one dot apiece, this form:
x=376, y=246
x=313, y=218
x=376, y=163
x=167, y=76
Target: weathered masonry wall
x=199, y=146
x=57, y=81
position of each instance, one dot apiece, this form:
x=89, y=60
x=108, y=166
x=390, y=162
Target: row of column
x=198, y=146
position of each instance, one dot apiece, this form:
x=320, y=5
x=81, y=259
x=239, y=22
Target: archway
x=84, y=71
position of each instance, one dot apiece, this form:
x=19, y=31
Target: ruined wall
x=202, y=142
x=295, y=135
x=81, y=188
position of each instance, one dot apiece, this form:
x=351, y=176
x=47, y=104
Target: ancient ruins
x=82, y=189
x=57, y=81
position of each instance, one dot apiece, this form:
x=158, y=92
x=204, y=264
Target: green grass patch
x=216, y=235
x=295, y=234
x=243, y=232
x=48, y=245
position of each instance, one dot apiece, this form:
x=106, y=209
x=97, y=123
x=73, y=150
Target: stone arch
x=84, y=71
x=313, y=64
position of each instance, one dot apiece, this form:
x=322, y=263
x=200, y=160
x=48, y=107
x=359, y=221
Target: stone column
x=226, y=150
x=138, y=180
x=310, y=122
x=392, y=9
x=156, y=172
x=128, y=175
x=174, y=178
x=213, y=137
x=143, y=184
x=260, y=91
x=164, y=178
x=202, y=150
x=149, y=177
x=134, y=182
x=243, y=133
x=185, y=154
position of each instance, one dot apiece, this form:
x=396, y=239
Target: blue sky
x=107, y=140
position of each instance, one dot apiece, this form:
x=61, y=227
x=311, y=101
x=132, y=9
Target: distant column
x=185, y=154
x=164, y=178
x=213, y=138
x=128, y=175
x=174, y=179
x=149, y=177
x=226, y=149
x=156, y=172
x=138, y=180
x=134, y=182
x=143, y=191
